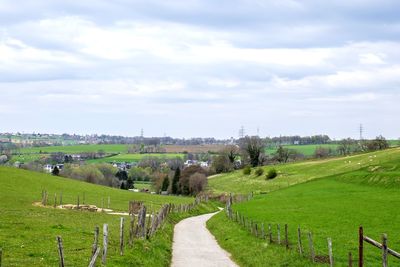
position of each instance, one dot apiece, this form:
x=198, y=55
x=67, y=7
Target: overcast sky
x=200, y=68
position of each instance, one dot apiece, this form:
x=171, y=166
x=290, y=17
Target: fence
x=385, y=250
x=258, y=230
x=143, y=224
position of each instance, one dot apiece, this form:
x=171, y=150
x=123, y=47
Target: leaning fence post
x=92, y=262
x=286, y=236
x=121, y=236
x=384, y=251
x=360, y=247
x=279, y=234
x=310, y=241
x=60, y=251
x=105, y=243
x=96, y=240
x=330, y=252
x=299, y=240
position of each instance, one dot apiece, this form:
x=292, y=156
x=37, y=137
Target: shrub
x=247, y=170
x=272, y=173
x=259, y=171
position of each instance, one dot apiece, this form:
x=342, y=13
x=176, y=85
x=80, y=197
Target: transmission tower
x=241, y=132
x=141, y=133
x=361, y=131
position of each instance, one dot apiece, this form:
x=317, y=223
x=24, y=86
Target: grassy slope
x=23, y=225
x=333, y=206
x=290, y=174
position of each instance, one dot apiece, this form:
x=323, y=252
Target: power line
x=241, y=132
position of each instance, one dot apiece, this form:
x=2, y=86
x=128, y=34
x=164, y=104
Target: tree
x=55, y=171
x=232, y=152
x=252, y=148
x=197, y=182
x=345, y=146
x=129, y=183
x=184, y=181
x=222, y=163
x=282, y=154
x=122, y=175
x=175, y=181
x=165, y=184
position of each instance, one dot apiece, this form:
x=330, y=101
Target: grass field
x=135, y=157
x=306, y=150
x=330, y=198
x=27, y=232
x=75, y=149
x=294, y=173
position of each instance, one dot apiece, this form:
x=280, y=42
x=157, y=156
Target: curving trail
x=195, y=246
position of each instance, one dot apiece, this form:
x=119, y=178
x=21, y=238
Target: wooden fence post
x=108, y=203
x=60, y=251
x=360, y=247
x=299, y=241
x=78, y=203
x=384, y=251
x=92, y=262
x=330, y=252
x=96, y=240
x=262, y=231
x=61, y=198
x=105, y=243
x=286, y=236
x=310, y=241
x=270, y=233
x=83, y=198
x=279, y=234
x=121, y=236
x=131, y=231
x=350, y=260
x=55, y=200
x=1, y=255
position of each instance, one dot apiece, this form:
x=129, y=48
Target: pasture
x=294, y=173
x=76, y=149
x=330, y=198
x=306, y=150
x=23, y=225
x=136, y=157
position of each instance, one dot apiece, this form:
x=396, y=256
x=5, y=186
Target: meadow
x=306, y=150
x=76, y=149
x=330, y=198
x=294, y=173
x=136, y=157
x=28, y=232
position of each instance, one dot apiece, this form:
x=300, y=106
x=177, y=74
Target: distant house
x=49, y=168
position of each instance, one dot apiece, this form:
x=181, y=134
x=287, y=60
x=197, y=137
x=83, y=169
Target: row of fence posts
x=258, y=230
x=145, y=227
x=79, y=201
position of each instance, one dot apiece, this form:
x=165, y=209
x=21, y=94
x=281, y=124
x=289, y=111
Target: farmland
x=306, y=150
x=330, y=198
x=76, y=149
x=22, y=224
x=136, y=157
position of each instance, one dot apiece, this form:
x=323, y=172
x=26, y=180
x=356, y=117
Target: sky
x=200, y=68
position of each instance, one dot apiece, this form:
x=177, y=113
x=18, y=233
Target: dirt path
x=195, y=246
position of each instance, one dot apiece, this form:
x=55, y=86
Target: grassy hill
x=330, y=198
x=294, y=173
x=28, y=232
x=306, y=150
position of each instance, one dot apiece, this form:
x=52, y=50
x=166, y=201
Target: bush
x=247, y=170
x=259, y=171
x=272, y=173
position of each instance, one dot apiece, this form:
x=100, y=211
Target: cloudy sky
x=200, y=68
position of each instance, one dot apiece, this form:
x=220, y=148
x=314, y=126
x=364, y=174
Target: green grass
x=135, y=157
x=246, y=250
x=27, y=232
x=294, y=173
x=306, y=150
x=332, y=207
x=143, y=185
x=330, y=198
x=27, y=157
x=75, y=149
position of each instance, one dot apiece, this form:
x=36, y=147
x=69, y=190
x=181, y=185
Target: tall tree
x=175, y=181
x=253, y=148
